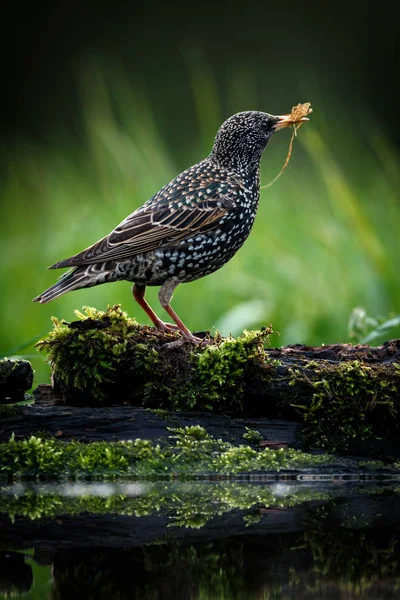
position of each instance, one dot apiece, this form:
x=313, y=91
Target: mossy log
x=110, y=424
x=341, y=398
x=106, y=358
x=344, y=397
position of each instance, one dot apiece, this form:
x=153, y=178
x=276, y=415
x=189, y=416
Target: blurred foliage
x=365, y=329
x=325, y=239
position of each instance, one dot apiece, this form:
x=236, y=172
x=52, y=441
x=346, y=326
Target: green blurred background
x=103, y=105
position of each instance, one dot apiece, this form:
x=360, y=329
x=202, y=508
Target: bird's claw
x=186, y=335
x=192, y=339
x=167, y=327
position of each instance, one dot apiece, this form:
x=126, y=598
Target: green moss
x=273, y=362
x=252, y=435
x=219, y=371
x=312, y=364
x=188, y=452
x=8, y=410
x=16, y=377
x=162, y=413
x=94, y=355
x=108, y=355
x=7, y=366
x=351, y=401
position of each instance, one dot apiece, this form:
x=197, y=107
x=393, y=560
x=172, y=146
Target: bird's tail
x=74, y=279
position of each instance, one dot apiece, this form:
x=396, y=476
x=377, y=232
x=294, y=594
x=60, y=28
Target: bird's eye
x=264, y=125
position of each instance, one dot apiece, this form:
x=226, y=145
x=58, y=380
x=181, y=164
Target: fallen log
x=345, y=397
x=110, y=424
x=341, y=398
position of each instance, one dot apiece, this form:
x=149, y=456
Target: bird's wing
x=179, y=210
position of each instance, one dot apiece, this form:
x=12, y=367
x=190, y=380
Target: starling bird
x=190, y=228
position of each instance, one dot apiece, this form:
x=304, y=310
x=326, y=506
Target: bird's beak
x=286, y=121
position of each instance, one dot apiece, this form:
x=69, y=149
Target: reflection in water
x=15, y=574
x=330, y=541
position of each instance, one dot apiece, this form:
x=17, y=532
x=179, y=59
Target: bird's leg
x=165, y=297
x=138, y=292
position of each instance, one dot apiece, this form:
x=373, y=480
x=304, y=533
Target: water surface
x=290, y=537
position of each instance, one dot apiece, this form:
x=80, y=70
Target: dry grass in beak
x=299, y=112
x=297, y=118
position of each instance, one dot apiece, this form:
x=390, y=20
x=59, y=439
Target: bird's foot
x=193, y=339
x=188, y=338
x=167, y=327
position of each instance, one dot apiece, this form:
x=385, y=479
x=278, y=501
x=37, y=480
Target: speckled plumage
x=190, y=228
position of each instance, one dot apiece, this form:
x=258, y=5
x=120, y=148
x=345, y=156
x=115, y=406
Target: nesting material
x=297, y=114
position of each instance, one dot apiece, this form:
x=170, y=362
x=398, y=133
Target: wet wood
x=89, y=424
x=386, y=354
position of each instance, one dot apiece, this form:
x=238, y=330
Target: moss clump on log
x=350, y=401
x=107, y=354
x=8, y=410
x=16, y=378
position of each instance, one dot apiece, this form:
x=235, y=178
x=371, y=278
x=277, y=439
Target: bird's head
x=241, y=139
